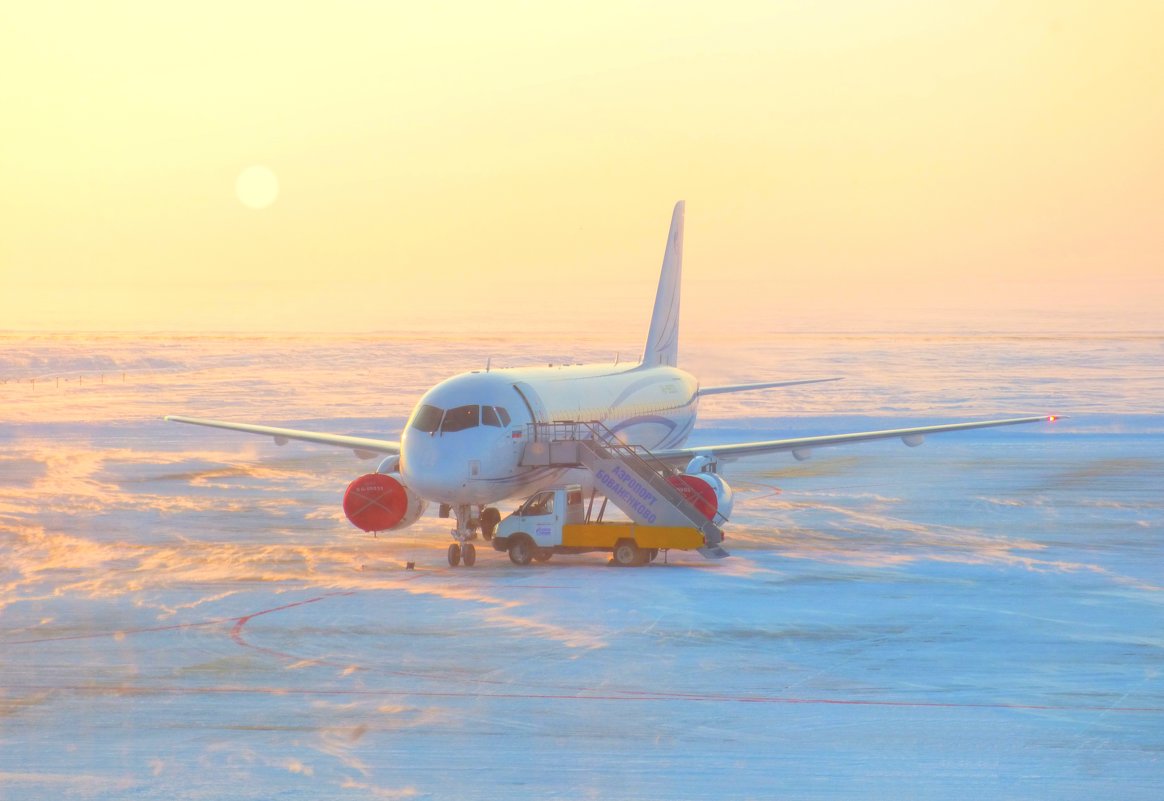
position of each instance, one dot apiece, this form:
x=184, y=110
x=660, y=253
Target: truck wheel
x=543, y=556
x=454, y=555
x=469, y=554
x=627, y=554
x=521, y=549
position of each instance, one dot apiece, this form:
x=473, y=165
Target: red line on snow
x=239, y=622
x=568, y=694
x=124, y=632
x=632, y=697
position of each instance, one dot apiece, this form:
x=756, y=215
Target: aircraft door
x=533, y=403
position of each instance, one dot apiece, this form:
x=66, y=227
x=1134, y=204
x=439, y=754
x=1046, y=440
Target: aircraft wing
x=802, y=447
x=364, y=447
x=720, y=390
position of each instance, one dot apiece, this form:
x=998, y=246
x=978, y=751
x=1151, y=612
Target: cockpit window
x=461, y=418
x=430, y=419
x=427, y=419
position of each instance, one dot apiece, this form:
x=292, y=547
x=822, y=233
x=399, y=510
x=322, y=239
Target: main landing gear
x=490, y=517
x=467, y=526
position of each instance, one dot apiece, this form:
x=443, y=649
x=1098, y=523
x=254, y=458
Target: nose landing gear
x=462, y=550
x=465, y=552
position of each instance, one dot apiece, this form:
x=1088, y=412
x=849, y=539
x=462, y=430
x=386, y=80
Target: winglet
x=663, y=336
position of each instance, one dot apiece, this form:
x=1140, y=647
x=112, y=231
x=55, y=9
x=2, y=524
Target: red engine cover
x=698, y=493
x=375, y=502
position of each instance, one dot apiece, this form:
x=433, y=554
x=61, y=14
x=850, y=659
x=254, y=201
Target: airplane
x=462, y=446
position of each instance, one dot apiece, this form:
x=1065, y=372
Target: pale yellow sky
x=478, y=165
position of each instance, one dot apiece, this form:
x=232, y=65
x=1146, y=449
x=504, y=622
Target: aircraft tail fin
x=663, y=336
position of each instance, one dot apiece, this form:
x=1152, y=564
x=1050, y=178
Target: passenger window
x=574, y=498
x=489, y=417
x=461, y=418
x=540, y=504
x=427, y=418
x=504, y=415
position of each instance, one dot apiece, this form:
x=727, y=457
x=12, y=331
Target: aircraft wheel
x=543, y=556
x=521, y=550
x=455, y=554
x=469, y=554
x=627, y=554
x=490, y=517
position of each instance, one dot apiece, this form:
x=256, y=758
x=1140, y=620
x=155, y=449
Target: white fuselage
x=464, y=441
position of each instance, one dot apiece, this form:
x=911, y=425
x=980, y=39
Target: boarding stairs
x=629, y=475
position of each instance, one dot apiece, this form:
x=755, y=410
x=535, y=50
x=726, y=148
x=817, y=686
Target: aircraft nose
x=437, y=467
x=420, y=463
x=457, y=467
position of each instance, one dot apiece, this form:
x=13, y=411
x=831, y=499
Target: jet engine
x=706, y=491
x=377, y=502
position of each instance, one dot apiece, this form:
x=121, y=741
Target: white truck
x=557, y=520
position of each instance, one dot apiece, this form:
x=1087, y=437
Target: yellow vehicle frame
x=606, y=535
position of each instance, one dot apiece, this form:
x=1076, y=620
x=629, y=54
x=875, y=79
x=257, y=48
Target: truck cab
x=540, y=520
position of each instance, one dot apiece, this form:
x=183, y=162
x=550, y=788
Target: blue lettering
x=624, y=494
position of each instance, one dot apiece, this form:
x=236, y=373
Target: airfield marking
x=633, y=696
x=572, y=694
x=124, y=632
x=240, y=622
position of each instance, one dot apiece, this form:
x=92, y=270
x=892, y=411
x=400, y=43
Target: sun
x=257, y=187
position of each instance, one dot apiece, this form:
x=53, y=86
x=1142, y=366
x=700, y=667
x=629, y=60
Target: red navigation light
x=1052, y=418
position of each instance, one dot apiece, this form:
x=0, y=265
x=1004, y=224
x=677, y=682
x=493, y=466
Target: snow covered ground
x=185, y=614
